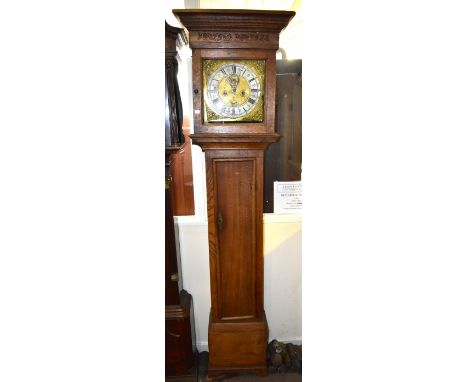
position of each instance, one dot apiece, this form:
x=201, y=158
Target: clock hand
x=233, y=80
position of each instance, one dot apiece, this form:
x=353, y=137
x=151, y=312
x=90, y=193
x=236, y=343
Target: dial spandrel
x=233, y=90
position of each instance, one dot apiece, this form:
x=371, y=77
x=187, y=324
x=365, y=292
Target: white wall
x=283, y=278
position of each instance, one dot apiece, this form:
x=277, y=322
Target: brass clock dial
x=233, y=90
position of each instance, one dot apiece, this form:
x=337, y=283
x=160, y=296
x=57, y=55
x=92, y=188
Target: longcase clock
x=233, y=72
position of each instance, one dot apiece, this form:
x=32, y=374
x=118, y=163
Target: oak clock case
x=233, y=79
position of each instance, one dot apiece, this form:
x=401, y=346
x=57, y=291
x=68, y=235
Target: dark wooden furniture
x=234, y=152
x=182, y=191
x=283, y=159
x=179, y=323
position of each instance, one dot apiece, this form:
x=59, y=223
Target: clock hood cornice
x=233, y=28
x=245, y=20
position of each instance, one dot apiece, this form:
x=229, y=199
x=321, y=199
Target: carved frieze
x=234, y=39
x=226, y=36
x=252, y=36
x=213, y=36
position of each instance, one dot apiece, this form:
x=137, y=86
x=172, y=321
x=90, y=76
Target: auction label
x=287, y=197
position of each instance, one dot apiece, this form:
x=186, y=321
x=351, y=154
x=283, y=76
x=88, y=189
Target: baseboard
x=195, y=220
x=282, y=218
x=294, y=341
x=203, y=345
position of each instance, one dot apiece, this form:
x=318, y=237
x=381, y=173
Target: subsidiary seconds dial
x=233, y=90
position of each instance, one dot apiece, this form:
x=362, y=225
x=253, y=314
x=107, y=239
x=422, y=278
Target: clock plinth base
x=237, y=347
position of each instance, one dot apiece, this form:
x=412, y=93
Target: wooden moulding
x=237, y=347
x=234, y=19
x=234, y=141
x=175, y=37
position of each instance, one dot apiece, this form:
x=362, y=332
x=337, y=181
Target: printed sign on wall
x=287, y=197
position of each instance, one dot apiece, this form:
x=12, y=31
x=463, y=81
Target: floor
x=280, y=377
x=273, y=376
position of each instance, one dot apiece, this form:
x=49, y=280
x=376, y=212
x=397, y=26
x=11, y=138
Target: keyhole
x=220, y=221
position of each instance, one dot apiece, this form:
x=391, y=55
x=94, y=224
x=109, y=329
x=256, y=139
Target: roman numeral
x=252, y=79
x=252, y=101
